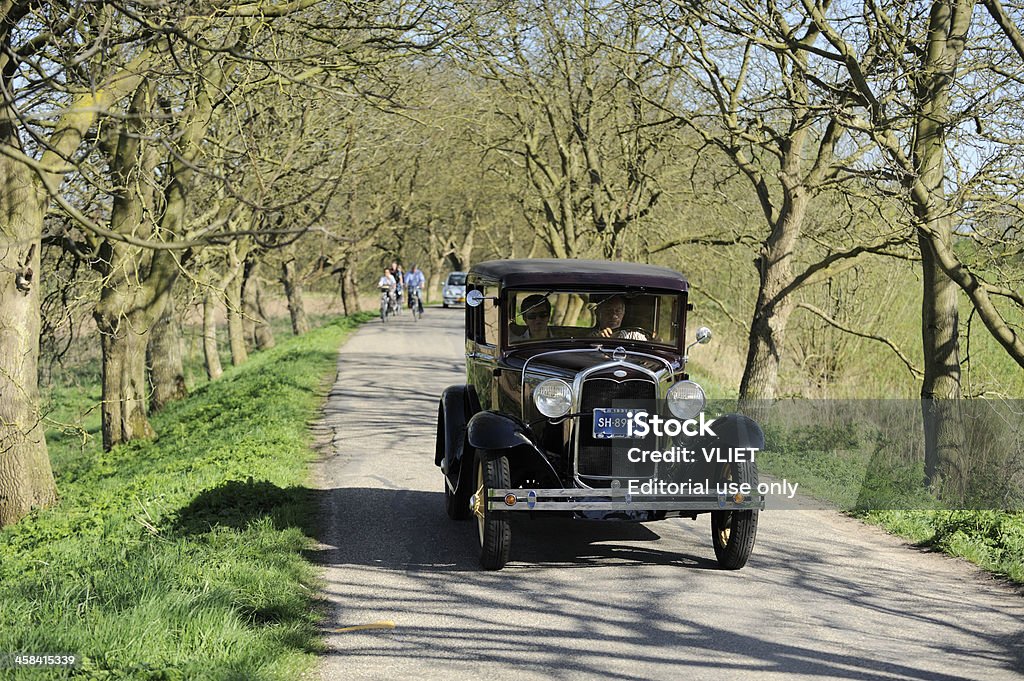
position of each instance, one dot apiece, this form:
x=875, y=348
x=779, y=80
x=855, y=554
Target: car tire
x=445, y=305
x=493, y=529
x=733, y=532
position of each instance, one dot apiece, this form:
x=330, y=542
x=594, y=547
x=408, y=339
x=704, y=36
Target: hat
x=532, y=301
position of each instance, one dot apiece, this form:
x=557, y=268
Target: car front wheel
x=733, y=532
x=493, y=529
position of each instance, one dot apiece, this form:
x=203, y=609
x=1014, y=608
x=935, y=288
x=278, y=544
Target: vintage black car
x=569, y=366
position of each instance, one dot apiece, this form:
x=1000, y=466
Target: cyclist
x=399, y=274
x=387, y=283
x=414, y=280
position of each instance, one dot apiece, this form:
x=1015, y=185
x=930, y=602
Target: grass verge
x=179, y=558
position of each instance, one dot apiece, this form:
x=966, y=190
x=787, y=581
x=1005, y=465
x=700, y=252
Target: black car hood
x=569, y=362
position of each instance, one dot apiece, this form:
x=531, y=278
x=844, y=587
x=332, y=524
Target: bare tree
x=750, y=97
x=916, y=87
x=574, y=95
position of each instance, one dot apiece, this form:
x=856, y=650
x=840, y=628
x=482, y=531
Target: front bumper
x=586, y=499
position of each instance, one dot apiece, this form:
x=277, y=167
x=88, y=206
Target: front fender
x=491, y=430
x=458, y=403
x=737, y=430
x=494, y=432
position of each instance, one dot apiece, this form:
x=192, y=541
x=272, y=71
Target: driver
x=610, y=312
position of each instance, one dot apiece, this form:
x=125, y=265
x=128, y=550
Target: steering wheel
x=635, y=333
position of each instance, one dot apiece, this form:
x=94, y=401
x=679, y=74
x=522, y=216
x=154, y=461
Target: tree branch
x=915, y=372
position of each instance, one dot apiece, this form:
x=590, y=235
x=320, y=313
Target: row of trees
x=192, y=150
x=161, y=141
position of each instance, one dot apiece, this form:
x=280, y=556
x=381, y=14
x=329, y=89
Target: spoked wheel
x=494, y=531
x=733, y=532
x=384, y=310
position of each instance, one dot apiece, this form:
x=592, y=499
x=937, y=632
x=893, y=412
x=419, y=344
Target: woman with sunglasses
x=536, y=311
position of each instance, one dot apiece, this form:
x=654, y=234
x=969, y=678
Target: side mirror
x=474, y=298
x=703, y=336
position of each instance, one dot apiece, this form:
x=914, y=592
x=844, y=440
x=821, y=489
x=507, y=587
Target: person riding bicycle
x=399, y=274
x=414, y=280
x=387, y=281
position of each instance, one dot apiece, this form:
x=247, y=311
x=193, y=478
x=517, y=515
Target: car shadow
x=420, y=536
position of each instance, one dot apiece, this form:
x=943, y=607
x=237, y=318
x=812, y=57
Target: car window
x=490, y=316
x=565, y=314
x=456, y=280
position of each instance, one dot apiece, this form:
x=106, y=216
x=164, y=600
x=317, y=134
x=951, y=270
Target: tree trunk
x=236, y=328
x=352, y=288
x=26, y=479
x=232, y=282
x=210, y=352
x=166, y=372
x=944, y=467
x=940, y=391
x=773, y=306
x=293, y=292
x=433, y=287
x=124, y=339
x=264, y=332
x=349, y=290
x=255, y=315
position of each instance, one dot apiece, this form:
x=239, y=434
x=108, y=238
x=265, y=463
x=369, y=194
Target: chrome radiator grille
x=607, y=458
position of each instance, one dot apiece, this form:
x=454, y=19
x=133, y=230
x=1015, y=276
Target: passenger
x=536, y=311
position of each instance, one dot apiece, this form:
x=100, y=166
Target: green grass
x=178, y=558
x=993, y=540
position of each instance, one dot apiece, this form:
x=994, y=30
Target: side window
x=492, y=332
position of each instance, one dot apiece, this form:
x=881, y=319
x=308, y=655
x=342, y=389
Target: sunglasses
x=537, y=315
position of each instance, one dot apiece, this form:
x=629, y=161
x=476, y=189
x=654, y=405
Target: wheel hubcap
x=478, y=501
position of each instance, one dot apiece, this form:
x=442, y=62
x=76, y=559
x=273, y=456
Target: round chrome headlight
x=553, y=398
x=685, y=399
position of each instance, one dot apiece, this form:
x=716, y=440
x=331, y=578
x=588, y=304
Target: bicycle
x=415, y=303
x=397, y=301
x=387, y=302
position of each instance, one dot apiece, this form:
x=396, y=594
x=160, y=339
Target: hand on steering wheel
x=632, y=333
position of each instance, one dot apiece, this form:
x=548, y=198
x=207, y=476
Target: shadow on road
x=436, y=562
x=419, y=536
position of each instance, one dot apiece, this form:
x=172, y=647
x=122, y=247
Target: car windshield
x=536, y=315
x=458, y=279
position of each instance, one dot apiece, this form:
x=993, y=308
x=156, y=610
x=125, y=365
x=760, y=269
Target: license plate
x=611, y=423
x=460, y=299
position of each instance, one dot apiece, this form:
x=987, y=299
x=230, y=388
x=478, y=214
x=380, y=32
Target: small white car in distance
x=453, y=291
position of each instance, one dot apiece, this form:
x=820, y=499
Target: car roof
x=567, y=272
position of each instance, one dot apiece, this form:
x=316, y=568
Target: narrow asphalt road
x=823, y=597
